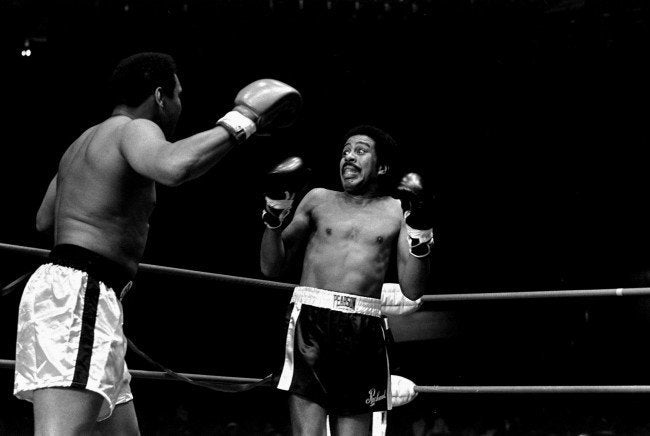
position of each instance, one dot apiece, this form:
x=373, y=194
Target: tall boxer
x=70, y=345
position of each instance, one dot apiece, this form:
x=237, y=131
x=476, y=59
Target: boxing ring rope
x=169, y=271
x=438, y=298
x=158, y=375
x=565, y=389
x=536, y=295
x=546, y=389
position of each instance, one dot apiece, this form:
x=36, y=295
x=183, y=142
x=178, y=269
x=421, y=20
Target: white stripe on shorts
x=287, y=370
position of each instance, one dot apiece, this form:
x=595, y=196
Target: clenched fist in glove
x=418, y=213
x=282, y=184
x=265, y=103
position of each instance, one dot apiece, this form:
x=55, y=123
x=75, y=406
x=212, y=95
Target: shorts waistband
x=105, y=270
x=337, y=301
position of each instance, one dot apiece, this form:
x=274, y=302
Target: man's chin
x=352, y=188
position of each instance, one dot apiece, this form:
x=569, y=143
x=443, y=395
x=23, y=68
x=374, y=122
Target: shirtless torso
x=345, y=240
x=351, y=242
x=98, y=206
x=102, y=204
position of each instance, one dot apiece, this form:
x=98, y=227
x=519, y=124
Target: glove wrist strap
x=421, y=235
x=238, y=126
x=283, y=204
x=271, y=221
x=277, y=210
x=420, y=241
x=420, y=249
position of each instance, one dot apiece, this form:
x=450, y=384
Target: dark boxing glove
x=282, y=183
x=418, y=214
x=265, y=103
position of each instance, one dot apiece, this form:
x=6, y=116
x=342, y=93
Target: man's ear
x=158, y=96
x=383, y=169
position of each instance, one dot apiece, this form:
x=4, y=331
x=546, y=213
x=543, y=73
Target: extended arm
x=262, y=104
x=148, y=152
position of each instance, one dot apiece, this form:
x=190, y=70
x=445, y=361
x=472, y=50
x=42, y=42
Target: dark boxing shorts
x=335, y=353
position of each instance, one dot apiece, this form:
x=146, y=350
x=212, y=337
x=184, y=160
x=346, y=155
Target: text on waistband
x=345, y=301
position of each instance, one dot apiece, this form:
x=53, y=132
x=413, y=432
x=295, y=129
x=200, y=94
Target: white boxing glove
x=393, y=302
x=402, y=390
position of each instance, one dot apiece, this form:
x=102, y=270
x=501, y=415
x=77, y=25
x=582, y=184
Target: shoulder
x=388, y=202
x=315, y=198
x=391, y=207
x=88, y=132
x=138, y=134
x=141, y=127
x=79, y=142
x=318, y=195
x=393, y=203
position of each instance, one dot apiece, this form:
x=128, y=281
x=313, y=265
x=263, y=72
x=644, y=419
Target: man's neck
x=131, y=112
x=360, y=198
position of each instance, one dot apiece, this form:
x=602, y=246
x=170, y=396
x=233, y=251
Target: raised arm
x=263, y=104
x=145, y=148
x=45, y=214
x=280, y=248
x=416, y=237
x=413, y=272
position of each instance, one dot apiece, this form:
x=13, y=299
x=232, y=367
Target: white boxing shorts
x=70, y=335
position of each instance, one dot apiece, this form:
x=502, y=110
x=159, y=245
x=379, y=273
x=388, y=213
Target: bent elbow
x=43, y=224
x=171, y=181
x=270, y=269
x=269, y=272
x=413, y=296
x=175, y=175
x=413, y=292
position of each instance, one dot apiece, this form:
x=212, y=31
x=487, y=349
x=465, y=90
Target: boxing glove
x=265, y=103
x=282, y=184
x=418, y=214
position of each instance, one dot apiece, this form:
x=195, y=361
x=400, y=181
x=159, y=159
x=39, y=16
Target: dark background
x=527, y=119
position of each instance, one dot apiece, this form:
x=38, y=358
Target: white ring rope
x=449, y=297
x=580, y=389
x=166, y=270
x=159, y=375
x=437, y=298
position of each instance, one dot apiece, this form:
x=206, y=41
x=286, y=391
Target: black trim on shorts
x=98, y=269
x=105, y=270
x=87, y=336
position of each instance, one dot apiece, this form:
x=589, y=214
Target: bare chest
x=367, y=226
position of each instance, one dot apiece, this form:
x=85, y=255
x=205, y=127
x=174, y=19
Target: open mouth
x=349, y=171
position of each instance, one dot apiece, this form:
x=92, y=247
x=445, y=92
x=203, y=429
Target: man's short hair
x=386, y=149
x=136, y=77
